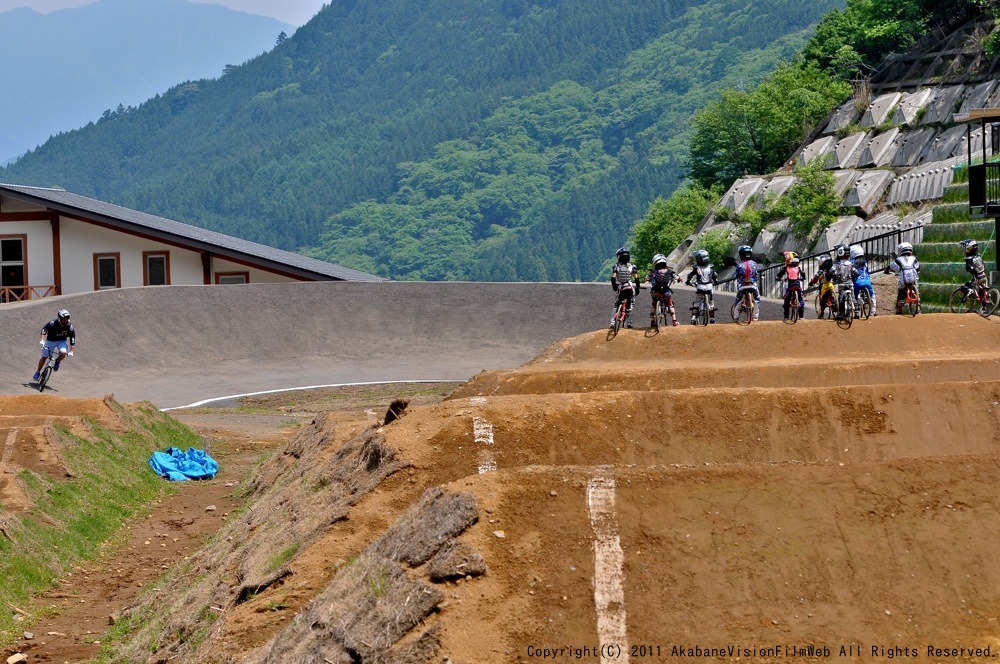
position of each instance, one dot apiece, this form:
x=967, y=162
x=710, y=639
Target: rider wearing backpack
x=795, y=277
x=660, y=279
x=625, y=282
x=908, y=267
x=747, y=276
x=974, y=265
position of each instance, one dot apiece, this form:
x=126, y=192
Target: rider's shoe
x=628, y=325
x=693, y=320
x=712, y=321
x=36, y=376
x=676, y=323
x=756, y=314
x=56, y=366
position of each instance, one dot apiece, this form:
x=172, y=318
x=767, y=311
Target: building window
x=107, y=271
x=155, y=268
x=232, y=277
x=12, y=267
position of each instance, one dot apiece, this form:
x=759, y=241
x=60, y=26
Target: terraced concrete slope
x=724, y=492
x=178, y=345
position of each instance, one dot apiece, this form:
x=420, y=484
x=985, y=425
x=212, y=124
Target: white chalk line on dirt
x=306, y=387
x=482, y=434
x=609, y=571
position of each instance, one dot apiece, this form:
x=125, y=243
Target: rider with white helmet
x=660, y=279
x=908, y=268
x=57, y=336
x=704, y=278
x=864, y=280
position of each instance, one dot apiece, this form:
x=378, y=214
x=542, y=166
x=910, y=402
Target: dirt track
x=716, y=487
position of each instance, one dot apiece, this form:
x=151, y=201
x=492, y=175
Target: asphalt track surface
x=180, y=345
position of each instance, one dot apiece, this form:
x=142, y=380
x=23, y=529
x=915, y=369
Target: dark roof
x=224, y=246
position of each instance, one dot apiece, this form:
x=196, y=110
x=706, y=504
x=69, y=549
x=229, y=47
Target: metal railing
x=984, y=190
x=879, y=250
x=22, y=293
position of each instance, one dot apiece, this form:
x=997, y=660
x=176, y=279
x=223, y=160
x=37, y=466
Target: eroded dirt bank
x=704, y=488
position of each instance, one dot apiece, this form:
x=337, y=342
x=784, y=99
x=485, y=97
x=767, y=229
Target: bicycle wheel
x=912, y=305
x=864, y=304
x=991, y=300
x=845, y=318
x=658, y=314
x=702, y=317
x=962, y=301
x=744, y=311
x=794, y=304
x=44, y=378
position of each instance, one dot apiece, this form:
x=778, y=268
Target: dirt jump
x=772, y=492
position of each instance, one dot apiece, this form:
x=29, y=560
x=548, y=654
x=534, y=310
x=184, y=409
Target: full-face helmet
x=841, y=251
x=791, y=258
x=971, y=247
x=904, y=249
x=745, y=252
x=701, y=257
x=63, y=315
x=624, y=256
x=659, y=262
x=857, y=251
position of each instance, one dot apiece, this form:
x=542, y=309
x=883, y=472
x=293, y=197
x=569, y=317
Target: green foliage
x=856, y=39
x=719, y=245
x=755, y=131
x=71, y=519
x=756, y=218
x=811, y=203
x=517, y=140
x=671, y=220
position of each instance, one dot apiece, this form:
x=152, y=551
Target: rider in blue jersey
x=864, y=279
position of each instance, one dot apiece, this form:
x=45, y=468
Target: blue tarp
x=178, y=466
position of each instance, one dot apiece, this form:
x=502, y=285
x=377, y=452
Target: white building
x=53, y=242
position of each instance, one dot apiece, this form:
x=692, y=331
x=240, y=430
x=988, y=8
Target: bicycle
x=744, y=308
x=701, y=309
x=864, y=304
x=660, y=317
x=49, y=367
x=911, y=305
x=847, y=309
x=818, y=302
x=964, y=299
x=621, y=313
x=796, y=304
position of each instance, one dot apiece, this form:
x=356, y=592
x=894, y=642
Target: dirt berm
x=723, y=493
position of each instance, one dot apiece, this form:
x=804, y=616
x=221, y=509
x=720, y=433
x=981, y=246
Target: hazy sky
x=295, y=12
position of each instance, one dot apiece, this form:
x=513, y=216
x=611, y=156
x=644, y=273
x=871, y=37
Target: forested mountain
x=64, y=69
x=489, y=139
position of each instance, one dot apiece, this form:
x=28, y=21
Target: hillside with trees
x=756, y=129
x=496, y=139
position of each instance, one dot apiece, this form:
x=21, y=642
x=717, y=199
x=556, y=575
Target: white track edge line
x=307, y=387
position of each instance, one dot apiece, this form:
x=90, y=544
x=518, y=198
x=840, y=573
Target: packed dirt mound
x=690, y=494
x=28, y=440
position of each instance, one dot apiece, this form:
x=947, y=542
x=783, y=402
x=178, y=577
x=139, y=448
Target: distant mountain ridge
x=494, y=140
x=64, y=69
